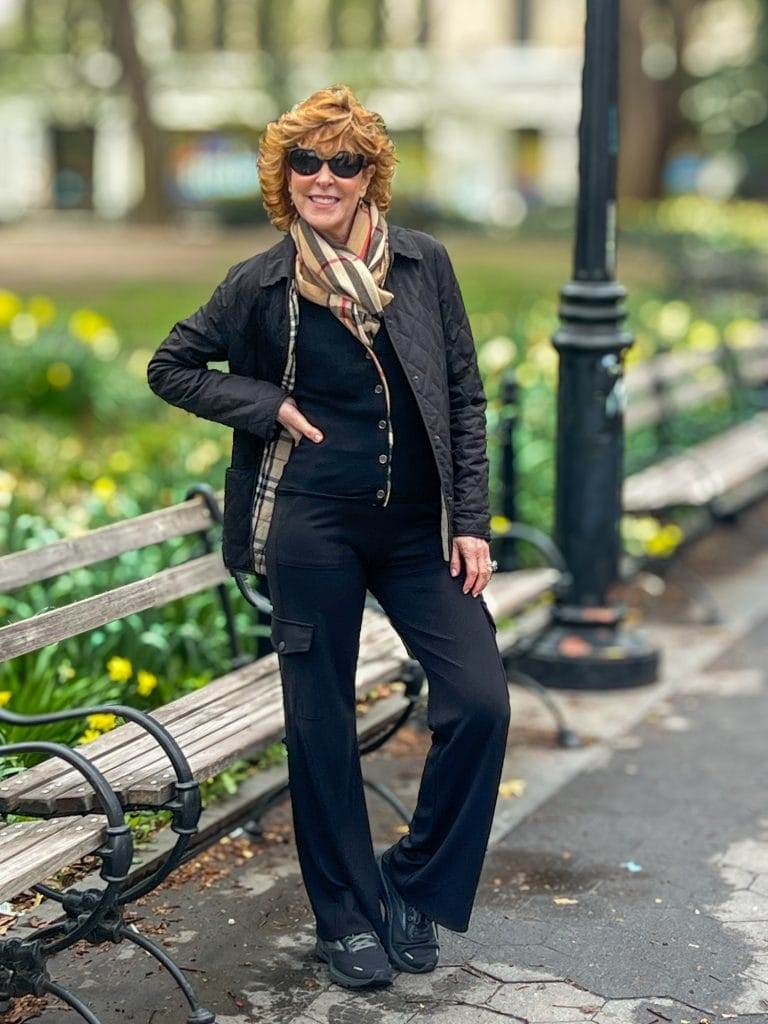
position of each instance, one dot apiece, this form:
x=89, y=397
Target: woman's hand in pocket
x=296, y=423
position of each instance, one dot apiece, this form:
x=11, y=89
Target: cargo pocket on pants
x=293, y=642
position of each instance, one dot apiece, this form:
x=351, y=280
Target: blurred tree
x=652, y=80
x=154, y=205
x=694, y=82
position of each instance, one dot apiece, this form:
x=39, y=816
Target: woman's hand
x=476, y=553
x=297, y=424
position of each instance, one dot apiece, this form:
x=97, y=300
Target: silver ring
x=493, y=566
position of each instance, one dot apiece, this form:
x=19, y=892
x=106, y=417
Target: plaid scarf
x=348, y=279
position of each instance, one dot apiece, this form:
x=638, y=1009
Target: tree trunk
x=154, y=206
x=650, y=118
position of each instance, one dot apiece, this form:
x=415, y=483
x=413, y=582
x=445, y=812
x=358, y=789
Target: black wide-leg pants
x=321, y=556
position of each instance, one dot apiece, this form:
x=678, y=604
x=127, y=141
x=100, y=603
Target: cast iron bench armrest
x=116, y=855
x=186, y=804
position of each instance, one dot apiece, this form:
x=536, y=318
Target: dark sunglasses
x=343, y=164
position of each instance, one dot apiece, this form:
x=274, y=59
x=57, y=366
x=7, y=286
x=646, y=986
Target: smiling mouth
x=324, y=201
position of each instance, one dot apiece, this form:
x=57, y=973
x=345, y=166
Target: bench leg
x=199, y=1014
x=23, y=972
x=389, y=797
x=566, y=737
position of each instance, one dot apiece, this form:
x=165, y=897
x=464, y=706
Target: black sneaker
x=356, y=960
x=411, y=936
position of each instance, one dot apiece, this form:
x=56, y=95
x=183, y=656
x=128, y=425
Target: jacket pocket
x=293, y=641
x=239, y=485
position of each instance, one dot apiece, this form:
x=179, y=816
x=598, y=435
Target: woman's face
x=337, y=198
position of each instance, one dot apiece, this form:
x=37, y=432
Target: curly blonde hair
x=327, y=121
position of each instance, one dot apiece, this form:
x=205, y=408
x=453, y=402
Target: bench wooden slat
x=233, y=748
x=719, y=465
x=665, y=367
x=654, y=407
x=33, y=851
x=14, y=836
x=81, y=616
x=23, y=567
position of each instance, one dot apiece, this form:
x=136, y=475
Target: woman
x=359, y=463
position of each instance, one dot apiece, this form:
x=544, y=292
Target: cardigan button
x=382, y=424
x=382, y=458
x=379, y=388
x=281, y=645
x=380, y=493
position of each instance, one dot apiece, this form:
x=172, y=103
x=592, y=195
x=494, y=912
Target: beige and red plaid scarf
x=348, y=279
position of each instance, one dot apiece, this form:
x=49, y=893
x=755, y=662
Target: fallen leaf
x=512, y=787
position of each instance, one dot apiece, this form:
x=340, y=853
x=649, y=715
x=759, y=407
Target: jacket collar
x=279, y=259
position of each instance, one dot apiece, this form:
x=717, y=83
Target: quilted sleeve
x=471, y=513
x=178, y=371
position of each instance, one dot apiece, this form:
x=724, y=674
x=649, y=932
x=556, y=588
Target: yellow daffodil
x=104, y=487
x=146, y=682
x=500, y=523
x=5, y=696
x=102, y=722
x=89, y=736
x=10, y=306
x=120, y=669
x=666, y=540
x=86, y=324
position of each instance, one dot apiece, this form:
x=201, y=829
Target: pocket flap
x=290, y=636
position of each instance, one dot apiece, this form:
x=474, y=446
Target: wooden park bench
x=77, y=798
x=719, y=474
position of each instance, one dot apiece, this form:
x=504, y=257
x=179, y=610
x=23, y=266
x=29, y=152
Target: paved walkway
x=626, y=883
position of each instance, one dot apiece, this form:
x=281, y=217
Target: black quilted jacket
x=246, y=323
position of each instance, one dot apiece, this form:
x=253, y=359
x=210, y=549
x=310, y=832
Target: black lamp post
x=585, y=646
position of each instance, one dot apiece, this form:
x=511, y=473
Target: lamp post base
x=586, y=649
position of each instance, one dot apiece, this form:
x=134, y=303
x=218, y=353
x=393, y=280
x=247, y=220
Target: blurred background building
x=151, y=109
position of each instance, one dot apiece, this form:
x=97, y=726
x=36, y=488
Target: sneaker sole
x=392, y=952
x=379, y=978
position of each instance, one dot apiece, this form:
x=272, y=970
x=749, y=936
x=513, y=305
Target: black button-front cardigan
x=338, y=389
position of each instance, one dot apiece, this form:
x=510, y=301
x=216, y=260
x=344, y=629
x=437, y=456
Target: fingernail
x=454, y=572
x=318, y=437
